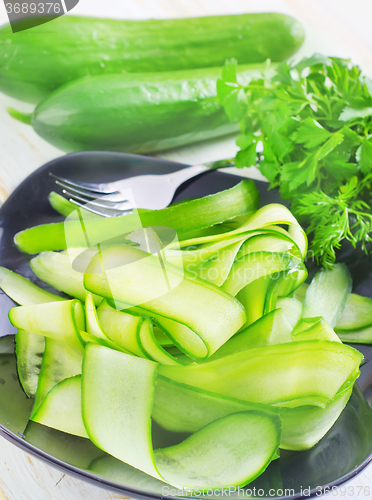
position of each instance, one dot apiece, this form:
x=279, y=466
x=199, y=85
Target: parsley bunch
x=309, y=130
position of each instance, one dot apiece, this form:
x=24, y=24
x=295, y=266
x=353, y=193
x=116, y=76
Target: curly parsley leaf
x=308, y=127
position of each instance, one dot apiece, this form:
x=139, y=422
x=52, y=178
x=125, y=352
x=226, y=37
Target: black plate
x=339, y=456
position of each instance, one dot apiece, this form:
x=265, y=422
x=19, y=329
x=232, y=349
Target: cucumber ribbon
x=268, y=372
x=185, y=218
x=117, y=410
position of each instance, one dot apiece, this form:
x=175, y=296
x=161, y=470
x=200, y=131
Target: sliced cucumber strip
x=216, y=270
x=61, y=408
x=182, y=336
x=314, y=328
x=327, y=294
x=93, y=325
x=197, y=254
x=287, y=279
x=253, y=297
x=363, y=336
x=120, y=327
x=29, y=346
x=271, y=329
x=161, y=337
x=117, y=399
x=57, y=320
x=60, y=361
x=55, y=269
x=184, y=218
x=182, y=408
x=277, y=240
x=29, y=351
x=117, y=394
x=291, y=374
x=23, y=291
x=357, y=314
x=300, y=292
x=153, y=349
x=264, y=218
x=305, y=426
x=292, y=309
x=256, y=265
x=233, y=450
x=87, y=337
x=134, y=277
x=279, y=214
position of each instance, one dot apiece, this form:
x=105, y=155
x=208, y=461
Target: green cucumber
x=136, y=113
x=61, y=321
x=327, y=294
x=117, y=400
x=61, y=408
x=131, y=276
x=357, y=314
x=184, y=218
x=292, y=374
x=73, y=47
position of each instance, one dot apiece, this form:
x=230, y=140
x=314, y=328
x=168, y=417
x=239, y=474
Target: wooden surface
x=334, y=27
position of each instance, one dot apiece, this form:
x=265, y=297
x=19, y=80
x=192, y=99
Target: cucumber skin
x=139, y=113
x=35, y=62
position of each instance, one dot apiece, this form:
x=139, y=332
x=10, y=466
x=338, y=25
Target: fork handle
x=180, y=176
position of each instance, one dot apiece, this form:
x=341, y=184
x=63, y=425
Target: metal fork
x=112, y=199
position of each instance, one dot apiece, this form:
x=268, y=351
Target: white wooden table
x=335, y=27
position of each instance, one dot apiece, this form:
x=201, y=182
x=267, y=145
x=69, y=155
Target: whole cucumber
x=139, y=113
x=35, y=62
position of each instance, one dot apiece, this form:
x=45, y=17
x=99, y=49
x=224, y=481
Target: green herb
x=309, y=130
